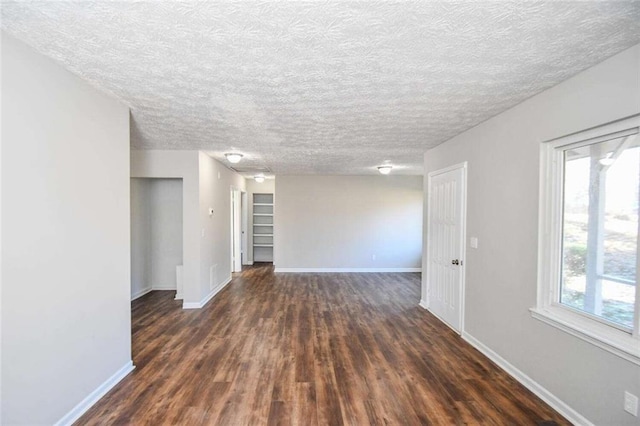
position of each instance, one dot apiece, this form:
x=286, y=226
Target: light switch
x=473, y=242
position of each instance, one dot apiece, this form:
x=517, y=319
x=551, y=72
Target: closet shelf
x=263, y=243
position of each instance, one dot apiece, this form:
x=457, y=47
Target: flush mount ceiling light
x=385, y=170
x=259, y=178
x=233, y=157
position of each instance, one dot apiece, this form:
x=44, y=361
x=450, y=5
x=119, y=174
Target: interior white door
x=445, y=244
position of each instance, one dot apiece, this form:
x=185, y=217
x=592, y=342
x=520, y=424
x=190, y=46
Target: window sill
x=605, y=337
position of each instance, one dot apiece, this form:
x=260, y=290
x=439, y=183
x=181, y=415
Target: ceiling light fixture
x=233, y=157
x=385, y=170
x=259, y=178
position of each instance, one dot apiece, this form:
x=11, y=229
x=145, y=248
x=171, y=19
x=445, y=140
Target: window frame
x=600, y=332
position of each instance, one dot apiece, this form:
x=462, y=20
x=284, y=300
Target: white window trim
x=548, y=309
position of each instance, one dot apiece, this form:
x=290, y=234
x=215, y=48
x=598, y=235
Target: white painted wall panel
x=216, y=182
x=344, y=221
x=166, y=232
x=65, y=244
x=184, y=165
x=207, y=239
x=503, y=156
x=140, y=238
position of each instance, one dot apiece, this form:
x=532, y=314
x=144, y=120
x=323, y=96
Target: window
x=588, y=245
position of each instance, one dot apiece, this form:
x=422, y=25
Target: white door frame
x=244, y=227
x=236, y=235
x=463, y=246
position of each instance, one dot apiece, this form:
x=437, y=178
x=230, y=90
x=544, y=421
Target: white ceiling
x=320, y=88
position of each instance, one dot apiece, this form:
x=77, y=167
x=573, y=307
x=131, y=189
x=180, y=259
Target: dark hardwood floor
x=307, y=349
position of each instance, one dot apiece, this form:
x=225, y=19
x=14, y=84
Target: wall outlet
x=473, y=242
x=373, y=257
x=631, y=403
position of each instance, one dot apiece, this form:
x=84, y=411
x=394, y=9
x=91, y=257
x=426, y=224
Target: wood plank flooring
x=309, y=349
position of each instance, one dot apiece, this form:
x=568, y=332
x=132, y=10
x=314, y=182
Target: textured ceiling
x=320, y=88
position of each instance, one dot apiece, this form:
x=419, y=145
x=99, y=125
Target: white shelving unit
x=262, y=227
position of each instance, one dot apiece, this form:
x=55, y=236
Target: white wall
x=1, y=274
x=253, y=187
x=341, y=222
x=206, y=239
x=156, y=234
x=185, y=165
x=266, y=187
x=166, y=231
x=140, y=238
x=216, y=182
x=65, y=243
x=503, y=156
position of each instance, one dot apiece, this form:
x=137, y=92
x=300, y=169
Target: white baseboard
x=140, y=293
x=94, y=396
x=423, y=304
x=164, y=288
x=200, y=304
x=178, y=296
x=364, y=270
x=556, y=403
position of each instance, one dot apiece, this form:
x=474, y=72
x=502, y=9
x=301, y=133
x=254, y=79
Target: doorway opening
x=238, y=228
x=156, y=236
